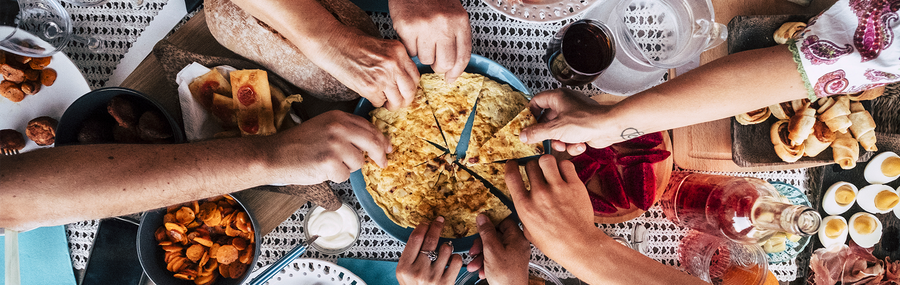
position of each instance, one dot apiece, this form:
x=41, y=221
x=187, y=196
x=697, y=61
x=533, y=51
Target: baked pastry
x=788, y=31
x=506, y=143
x=783, y=148
x=253, y=99
x=123, y=110
x=786, y=110
x=205, y=86
x=868, y=94
x=834, y=112
x=42, y=130
x=425, y=177
x=863, y=127
x=845, y=150
x=11, y=139
x=819, y=140
x=801, y=125
x=253, y=39
x=754, y=117
x=152, y=126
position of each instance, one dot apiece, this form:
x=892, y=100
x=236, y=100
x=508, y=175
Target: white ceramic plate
x=50, y=101
x=311, y=271
x=540, y=11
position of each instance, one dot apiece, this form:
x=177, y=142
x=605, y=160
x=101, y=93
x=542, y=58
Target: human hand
x=377, y=69
x=437, y=31
x=557, y=211
x=327, y=147
x=502, y=256
x=570, y=119
x=415, y=267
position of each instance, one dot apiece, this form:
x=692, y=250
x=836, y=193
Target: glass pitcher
x=36, y=28
x=652, y=36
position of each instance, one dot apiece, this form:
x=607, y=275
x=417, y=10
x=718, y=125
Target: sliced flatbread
x=506, y=144
x=497, y=105
x=451, y=103
x=417, y=120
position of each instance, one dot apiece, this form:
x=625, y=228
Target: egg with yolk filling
x=833, y=231
x=839, y=198
x=865, y=229
x=878, y=198
x=883, y=168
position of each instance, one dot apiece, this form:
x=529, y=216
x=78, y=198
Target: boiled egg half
x=883, y=168
x=834, y=231
x=865, y=229
x=839, y=198
x=878, y=198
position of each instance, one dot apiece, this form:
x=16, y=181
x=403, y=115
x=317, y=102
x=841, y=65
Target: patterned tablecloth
x=517, y=45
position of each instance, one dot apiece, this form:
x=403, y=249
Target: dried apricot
x=195, y=252
x=227, y=254
x=246, y=254
x=184, y=215
x=239, y=243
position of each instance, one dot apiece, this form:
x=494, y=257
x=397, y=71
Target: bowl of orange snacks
x=210, y=241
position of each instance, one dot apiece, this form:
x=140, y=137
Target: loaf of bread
x=243, y=34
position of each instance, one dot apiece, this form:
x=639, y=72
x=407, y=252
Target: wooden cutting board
x=270, y=209
x=707, y=146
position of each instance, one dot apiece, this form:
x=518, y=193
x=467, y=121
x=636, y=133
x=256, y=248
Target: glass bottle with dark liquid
x=579, y=52
x=745, y=210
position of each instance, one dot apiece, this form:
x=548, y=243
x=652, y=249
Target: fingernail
x=523, y=137
x=481, y=219
x=579, y=147
x=439, y=219
x=390, y=148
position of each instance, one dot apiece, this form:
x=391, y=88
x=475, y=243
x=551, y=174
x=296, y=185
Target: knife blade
x=444, y=149
x=463, y=144
x=521, y=160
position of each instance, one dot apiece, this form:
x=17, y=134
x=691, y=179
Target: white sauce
x=336, y=229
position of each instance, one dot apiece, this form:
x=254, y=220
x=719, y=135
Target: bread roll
x=801, y=125
x=754, y=117
x=783, y=148
x=863, y=126
x=818, y=140
x=846, y=150
x=835, y=113
x=240, y=32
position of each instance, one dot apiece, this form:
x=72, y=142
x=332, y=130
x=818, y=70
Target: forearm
x=305, y=23
x=66, y=184
x=726, y=87
x=598, y=259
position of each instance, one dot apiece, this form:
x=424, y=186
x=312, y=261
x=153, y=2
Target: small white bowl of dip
x=338, y=230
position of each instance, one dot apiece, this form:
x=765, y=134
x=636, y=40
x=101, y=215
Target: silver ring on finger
x=432, y=255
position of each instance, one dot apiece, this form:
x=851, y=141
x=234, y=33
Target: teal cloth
x=375, y=272
x=43, y=257
x=372, y=5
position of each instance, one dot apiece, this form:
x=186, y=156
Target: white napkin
x=198, y=123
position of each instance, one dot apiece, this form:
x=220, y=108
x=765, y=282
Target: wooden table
x=707, y=146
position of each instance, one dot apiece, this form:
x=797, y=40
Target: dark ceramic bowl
x=152, y=256
x=93, y=104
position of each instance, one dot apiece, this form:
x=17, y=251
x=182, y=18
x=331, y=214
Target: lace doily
x=516, y=45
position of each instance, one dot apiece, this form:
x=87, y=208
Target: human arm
x=378, y=69
x=559, y=221
x=501, y=254
x=725, y=87
x=415, y=268
x=73, y=183
x=440, y=37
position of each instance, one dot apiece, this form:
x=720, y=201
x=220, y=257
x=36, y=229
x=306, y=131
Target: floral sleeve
x=849, y=48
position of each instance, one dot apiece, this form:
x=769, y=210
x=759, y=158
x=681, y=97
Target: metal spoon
x=639, y=237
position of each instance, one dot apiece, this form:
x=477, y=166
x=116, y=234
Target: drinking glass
x=35, y=28
x=580, y=52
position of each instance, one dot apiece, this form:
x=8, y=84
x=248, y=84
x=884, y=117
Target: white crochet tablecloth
x=519, y=46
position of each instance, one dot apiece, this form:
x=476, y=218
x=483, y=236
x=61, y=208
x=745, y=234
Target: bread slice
x=505, y=144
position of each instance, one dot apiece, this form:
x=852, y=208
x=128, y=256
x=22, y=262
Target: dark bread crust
x=247, y=36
